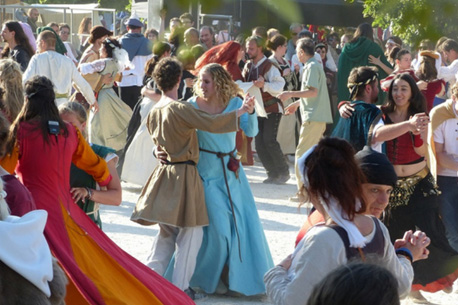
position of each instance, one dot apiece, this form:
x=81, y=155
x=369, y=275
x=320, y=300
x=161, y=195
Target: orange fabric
x=85, y=157
x=9, y=161
x=442, y=283
x=115, y=284
x=74, y=296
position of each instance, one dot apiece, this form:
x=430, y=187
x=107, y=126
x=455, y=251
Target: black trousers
x=130, y=95
x=268, y=148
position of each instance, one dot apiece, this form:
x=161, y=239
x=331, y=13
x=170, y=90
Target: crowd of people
x=370, y=126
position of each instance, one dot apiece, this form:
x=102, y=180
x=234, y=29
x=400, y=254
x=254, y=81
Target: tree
x=414, y=20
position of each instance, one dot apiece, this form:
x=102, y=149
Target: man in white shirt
x=445, y=117
x=139, y=49
x=59, y=69
x=448, y=73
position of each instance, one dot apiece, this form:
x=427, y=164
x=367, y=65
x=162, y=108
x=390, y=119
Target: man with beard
x=264, y=75
x=32, y=19
x=360, y=116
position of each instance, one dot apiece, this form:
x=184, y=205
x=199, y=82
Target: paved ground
x=280, y=218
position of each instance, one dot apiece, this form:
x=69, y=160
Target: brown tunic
x=174, y=194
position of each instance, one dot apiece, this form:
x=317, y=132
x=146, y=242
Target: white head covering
x=332, y=208
x=25, y=250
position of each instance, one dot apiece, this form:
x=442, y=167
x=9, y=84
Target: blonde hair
x=11, y=83
x=454, y=90
x=77, y=110
x=225, y=87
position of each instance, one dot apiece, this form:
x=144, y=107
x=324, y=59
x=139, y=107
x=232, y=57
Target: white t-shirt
x=447, y=134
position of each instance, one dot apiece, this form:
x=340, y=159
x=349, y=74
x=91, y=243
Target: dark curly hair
x=167, y=73
x=109, y=44
x=328, y=169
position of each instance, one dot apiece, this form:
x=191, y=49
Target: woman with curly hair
x=173, y=196
x=227, y=261
x=11, y=82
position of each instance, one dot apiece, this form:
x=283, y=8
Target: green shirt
x=315, y=109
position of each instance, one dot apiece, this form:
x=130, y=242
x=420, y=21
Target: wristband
x=89, y=193
x=405, y=252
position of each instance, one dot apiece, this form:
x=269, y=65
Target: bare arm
x=392, y=131
x=376, y=61
x=444, y=159
x=309, y=93
x=112, y=195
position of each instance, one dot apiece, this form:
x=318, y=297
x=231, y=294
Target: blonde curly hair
x=225, y=87
x=11, y=82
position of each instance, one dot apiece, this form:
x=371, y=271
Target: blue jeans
x=449, y=207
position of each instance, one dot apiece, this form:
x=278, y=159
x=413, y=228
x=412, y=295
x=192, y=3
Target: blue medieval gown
x=220, y=243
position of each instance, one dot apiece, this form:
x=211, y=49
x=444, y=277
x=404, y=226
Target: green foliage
x=414, y=20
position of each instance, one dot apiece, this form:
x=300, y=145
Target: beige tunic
x=174, y=194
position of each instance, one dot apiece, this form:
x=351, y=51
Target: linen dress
x=220, y=245
x=99, y=271
x=139, y=161
x=108, y=126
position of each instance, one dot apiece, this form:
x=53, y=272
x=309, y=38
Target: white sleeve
x=377, y=146
x=330, y=63
x=83, y=86
x=439, y=134
x=274, y=82
x=447, y=73
x=322, y=251
x=398, y=265
x=92, y=67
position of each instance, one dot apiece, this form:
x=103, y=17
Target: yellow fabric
x=115, y=284
x=438, y=115
x=311, y=133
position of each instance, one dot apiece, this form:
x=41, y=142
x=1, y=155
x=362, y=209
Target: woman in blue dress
x=234, y=254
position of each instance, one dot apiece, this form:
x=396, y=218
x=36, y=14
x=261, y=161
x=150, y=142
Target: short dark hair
x=356, y=283
x=64, y=25
x=450, y=44
x=307, y=45
x=167, y=73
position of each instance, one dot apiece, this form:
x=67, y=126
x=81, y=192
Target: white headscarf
x=332, y=208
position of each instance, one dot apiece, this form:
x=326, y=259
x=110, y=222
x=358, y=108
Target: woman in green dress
x=85, y=190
